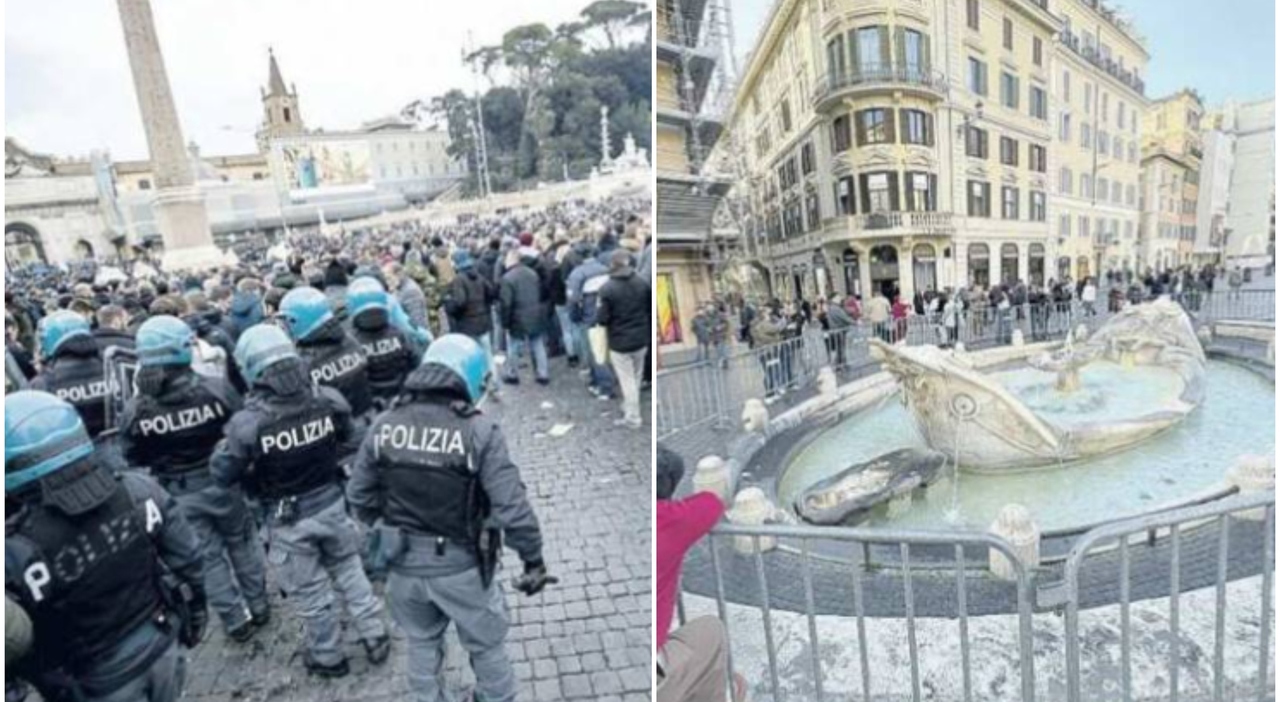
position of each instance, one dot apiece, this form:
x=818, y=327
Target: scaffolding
x=700, y=34
x=695, y=37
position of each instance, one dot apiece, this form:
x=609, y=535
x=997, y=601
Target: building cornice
x=1099, y=18
x=762, y=48
x=1092, y=70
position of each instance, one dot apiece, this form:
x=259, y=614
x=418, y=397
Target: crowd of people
x=172, y=437
x=976, y=314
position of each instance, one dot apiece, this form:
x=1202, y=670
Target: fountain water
x=1117, y=430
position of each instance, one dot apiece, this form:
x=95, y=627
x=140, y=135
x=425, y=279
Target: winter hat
x=462, y=260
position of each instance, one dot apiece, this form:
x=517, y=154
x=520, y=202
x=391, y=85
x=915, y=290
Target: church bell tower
x=281, y=116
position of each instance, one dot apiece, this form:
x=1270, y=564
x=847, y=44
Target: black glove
x=197, y=618
x=535, y=578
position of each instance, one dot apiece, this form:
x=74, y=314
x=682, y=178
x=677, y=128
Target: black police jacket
x=390, y=354
x=335, y=360
x=78, y=379
x=94, y=578
x=175, y=432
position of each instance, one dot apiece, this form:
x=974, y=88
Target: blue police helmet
x=365, y=294
x=165, y=341
x=462, y=260
x=466, y=358
x=305, y=310
x=42, y=434
x=57, y=328
x=261, y=346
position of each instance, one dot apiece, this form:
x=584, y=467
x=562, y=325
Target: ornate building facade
x=903, y=145
x=1172, y=152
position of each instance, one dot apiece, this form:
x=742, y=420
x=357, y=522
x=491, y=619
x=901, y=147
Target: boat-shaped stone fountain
x=968, y=414
x=1139, y=374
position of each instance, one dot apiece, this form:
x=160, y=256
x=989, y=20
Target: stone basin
x=848, y=496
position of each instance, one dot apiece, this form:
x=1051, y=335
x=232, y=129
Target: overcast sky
x=1224, y=53
x=68, y=89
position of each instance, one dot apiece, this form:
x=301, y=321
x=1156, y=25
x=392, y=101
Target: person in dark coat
x=563, y=259
x=113, y=325
x=468, y=298
x=623, y=310
x=524, y=315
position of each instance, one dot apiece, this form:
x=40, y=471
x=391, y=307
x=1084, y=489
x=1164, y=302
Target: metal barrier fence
x=712, y=391
x=1216, y=516
x=1175, y=523
x=858, y=538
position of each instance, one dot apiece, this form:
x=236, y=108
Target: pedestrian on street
x=524, y=315
x=434, y=480
x=840, y=328
x=1089, y=297
x=102, y=632
x=171, y=427
x=701, y=324
x=624, y=313
x=283, y=448
x=878, y=312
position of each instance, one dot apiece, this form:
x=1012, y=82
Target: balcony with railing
x=1109, y=66
x=913, y=78
x=878, y=225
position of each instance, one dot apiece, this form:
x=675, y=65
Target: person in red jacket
x=692, y=659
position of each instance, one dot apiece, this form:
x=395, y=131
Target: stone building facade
x=915, y=144
x=1172, y=152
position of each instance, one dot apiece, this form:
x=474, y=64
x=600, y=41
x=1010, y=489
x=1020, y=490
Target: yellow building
x=900, y=144
x=689, y=251
x=1099, y=96
x=1172, y=151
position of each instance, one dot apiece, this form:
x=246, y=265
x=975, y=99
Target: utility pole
x=482, y=150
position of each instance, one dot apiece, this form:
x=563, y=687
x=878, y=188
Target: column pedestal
x=183, y=222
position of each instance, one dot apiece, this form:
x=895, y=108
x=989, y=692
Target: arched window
x=852, y=281
x=1009, y=273
x=924, y=267
x=979, y=265
x=1035, y=264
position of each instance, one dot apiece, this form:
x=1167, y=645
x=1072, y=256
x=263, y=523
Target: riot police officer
x=436, y=473
x=333, y=357
x=72, y=368
x=172, y=426
x=390, y=352
x=283, y=447
x=105, y=566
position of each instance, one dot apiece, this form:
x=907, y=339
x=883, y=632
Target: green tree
x=542, y=109
x=611, y=17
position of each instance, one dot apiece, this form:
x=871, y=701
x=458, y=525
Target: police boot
x=337, y=670
x=243, y=632
x=378, y=650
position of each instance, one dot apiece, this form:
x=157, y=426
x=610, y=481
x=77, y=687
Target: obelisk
x=178, y=206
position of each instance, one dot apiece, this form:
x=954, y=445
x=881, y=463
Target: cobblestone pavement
x=586, y=638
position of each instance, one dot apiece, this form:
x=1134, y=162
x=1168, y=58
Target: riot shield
x=120, y=369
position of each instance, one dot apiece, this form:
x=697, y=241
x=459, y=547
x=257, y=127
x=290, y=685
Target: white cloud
x=68, y=89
